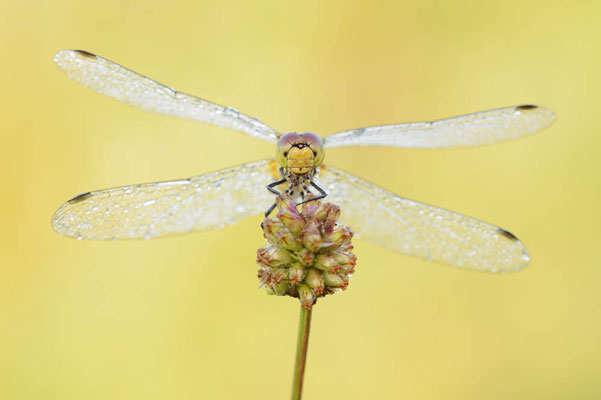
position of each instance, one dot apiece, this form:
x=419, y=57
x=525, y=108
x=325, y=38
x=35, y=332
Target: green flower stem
x=302, y=343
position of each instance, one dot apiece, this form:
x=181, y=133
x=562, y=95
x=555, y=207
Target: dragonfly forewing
x=477, y=129
x=420, y=230
x=113, y=80
x=151, y=210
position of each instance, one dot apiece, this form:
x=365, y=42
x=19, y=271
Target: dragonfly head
x=300, y=153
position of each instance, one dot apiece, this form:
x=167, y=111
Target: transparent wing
x=129, y=87
x=151, y=210
x=420, y=230
x=482, y=128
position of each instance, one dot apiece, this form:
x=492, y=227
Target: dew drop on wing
x=149, y=202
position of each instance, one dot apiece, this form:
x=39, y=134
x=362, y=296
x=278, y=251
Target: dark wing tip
x=507, y=234
x=85, y=53
x=526, y=107
x=80, y=197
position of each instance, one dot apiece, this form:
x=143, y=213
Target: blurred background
x=182, y=318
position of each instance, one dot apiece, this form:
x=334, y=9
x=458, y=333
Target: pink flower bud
x=288, y=214
x=312, y=236
x=272, y=256
x=347, y=244
x=331, y=217
x=309, y=208
x=345, y=258
x=297, y=273
x=328, y=213
x=305, y=256
x=336, y=238
x=270, y=227
x=281, y=288
x=305, y=295
x=326, y=263
x=315, y=281
x=322, y=211
x=332, y=280
x=288, y=241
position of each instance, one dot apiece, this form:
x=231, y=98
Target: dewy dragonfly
x=216, y=199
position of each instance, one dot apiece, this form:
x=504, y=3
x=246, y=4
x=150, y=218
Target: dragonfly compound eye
x=316, y=144
x=283, y=147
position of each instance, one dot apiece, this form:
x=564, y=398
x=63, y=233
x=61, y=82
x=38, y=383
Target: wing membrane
x=151, y=210
x=129, y=87
x=482, y=128
x=420, y=230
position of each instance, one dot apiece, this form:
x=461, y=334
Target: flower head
x=307, y=254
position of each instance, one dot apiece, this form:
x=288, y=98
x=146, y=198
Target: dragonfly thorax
x=300, y=153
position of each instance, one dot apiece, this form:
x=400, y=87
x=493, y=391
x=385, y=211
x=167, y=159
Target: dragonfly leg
x=270, y=210
x=270, y=187
x=322, y=194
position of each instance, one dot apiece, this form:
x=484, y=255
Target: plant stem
x=302, y=343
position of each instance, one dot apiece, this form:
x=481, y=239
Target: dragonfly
x=217, y=199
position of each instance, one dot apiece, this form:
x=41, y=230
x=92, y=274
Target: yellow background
x=181, y=318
